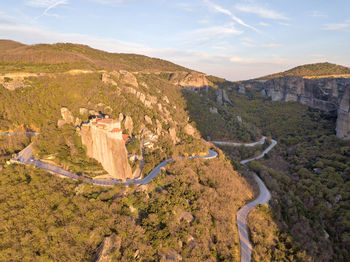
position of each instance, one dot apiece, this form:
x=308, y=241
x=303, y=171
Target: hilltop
x=186, y=212
x=60, y=57
x=317, y=70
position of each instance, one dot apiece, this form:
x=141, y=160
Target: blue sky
x=232, y=39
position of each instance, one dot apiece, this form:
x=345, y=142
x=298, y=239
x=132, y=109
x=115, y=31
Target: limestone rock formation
x=83, y=111
x=121, y=117
x=159, y=127
x=67, y=117
x=104, y=142
x=241, y=89
x=326, y=94
x=343, y=119
x=109, y=244
x=169, y=255
x=213, y=110
x=129, y=124
x=222, y=97
x=190, y=80
x=148, y=119
x=128, y=78
x=190, y=130
x=172, y=133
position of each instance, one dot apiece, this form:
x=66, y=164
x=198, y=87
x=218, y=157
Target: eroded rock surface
x=343, y=120
x=190, y=80
x=326, y=94
x=107, y=146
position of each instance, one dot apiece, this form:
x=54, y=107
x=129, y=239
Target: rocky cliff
x=343, y=120
x=326, y=94
x=109, y=150
x=190, y=80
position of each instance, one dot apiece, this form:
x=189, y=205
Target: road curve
x=263, y=198
x=26, y=157
x=224, y=143
x=242, y=214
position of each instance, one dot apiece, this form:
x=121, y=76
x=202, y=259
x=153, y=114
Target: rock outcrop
x=222, y=97
x=67, y=117
x=129, y=124
x=343, y=120
x=108, y=245
x=172, y=133
x=192, y=81
x=104, y=142
x=326, y=94
x=128, y=78
x=190, y=130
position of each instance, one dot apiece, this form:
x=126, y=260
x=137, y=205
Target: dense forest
x=307, y=173
x=183, y=212
x=187, y=212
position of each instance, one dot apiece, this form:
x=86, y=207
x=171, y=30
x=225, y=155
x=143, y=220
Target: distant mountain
x=313, y=71
x=9, y=44
x=75, y=56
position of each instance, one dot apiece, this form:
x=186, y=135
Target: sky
x=236, y=40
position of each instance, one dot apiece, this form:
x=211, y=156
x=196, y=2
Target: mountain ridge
x=324, y=69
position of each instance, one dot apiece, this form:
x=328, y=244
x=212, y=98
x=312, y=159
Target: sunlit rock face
x=105, y=142
x=326, y=94
x=192, y=81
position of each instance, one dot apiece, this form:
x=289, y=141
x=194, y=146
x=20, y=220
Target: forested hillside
x=64, y=56
x=187, y=212
x=307, y=172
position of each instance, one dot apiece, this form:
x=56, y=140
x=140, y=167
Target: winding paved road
x=26, y=157
x=223, y=143
x=242, y=214
x=263, y=198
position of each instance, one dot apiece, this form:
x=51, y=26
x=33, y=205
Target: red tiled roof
x=116, y=130
x=125, y=137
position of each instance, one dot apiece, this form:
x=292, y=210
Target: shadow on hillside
x=219, y=122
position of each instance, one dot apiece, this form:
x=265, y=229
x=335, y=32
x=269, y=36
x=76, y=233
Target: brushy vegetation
x=307, y=172
x=269, y=243
x=189, y=211
x=318, y=69
x=64, y=56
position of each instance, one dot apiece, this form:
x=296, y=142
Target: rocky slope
x=326, y=94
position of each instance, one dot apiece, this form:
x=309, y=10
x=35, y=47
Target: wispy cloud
x=264, y=24
x=6, y=20
x=107, y=2
x=274, y=59
x=272, y=45
x=285, y=24
x=261, y=11
x=208, y=34
x=220, y=9
x=337, y=26
x=48, y=5
x=248, y=42
x=316, y=13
